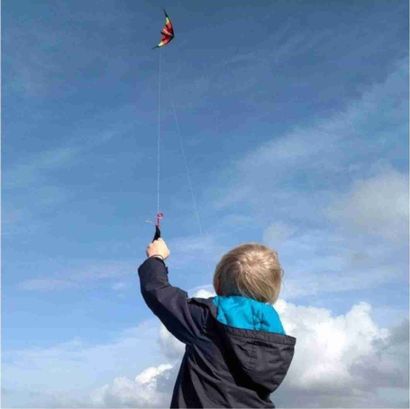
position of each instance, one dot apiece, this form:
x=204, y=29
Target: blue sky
x=294, y=117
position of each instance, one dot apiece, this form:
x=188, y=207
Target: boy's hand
x=158, y=248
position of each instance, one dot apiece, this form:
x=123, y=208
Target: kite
x=167, y=32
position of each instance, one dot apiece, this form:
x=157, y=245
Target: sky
x=282, y=122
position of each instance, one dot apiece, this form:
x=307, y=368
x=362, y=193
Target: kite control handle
x=158, y=218
x=157, y=234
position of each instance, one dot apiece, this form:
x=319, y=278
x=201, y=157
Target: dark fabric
x=223, y=366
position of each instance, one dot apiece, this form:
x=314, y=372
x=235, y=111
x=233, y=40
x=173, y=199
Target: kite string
x=188, y=174
x=187, y=169
x=186, y=166
x=182, y=149
x=159, y=131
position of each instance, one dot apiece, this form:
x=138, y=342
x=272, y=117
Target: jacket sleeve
x=170, y=304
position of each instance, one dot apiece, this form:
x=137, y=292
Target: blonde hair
x=251, y=270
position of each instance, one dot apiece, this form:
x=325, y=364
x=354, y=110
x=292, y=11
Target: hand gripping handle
x=157, y=234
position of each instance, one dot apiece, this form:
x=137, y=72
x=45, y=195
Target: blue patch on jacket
x=247, y=313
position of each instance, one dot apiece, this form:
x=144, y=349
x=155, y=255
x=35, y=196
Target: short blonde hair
x=251, y=270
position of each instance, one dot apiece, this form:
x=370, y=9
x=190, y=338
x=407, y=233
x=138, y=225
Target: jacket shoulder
x=201, y=309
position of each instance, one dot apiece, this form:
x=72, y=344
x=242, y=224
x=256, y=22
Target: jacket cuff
x=153, y=261
x=157, y=258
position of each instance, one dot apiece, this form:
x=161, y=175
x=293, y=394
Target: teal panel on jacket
x=247, y=313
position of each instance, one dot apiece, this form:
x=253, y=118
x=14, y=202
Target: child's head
x=251, y=270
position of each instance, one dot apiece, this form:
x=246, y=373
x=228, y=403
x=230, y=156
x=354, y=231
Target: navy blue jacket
x=223, y=366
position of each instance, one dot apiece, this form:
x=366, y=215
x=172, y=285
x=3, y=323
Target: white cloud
x=75, y=367
x=327, y=345
x=147, y=390
x=342, y=360
x=204, y=291
x=387, y=368
x=171, y=347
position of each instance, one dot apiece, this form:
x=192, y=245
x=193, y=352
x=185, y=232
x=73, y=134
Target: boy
x=236, y=351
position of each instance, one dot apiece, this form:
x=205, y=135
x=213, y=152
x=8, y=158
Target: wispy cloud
x=196, y=251
x=317, y=262
x=376, y=206
x=39, y=59
x=337, y=215
x=82, y=276
x=289, y=169
x=30, y=183
x=38, y=167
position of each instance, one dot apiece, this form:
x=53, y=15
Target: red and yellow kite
x=167, y=32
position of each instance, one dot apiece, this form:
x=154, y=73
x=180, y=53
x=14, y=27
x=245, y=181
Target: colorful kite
x=167, y=32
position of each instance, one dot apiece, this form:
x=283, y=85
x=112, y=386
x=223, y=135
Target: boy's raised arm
x=170, y=304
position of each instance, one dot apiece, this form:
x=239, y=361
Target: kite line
x=186, y=165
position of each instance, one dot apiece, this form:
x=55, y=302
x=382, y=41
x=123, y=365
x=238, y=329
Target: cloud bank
x=342, y=360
